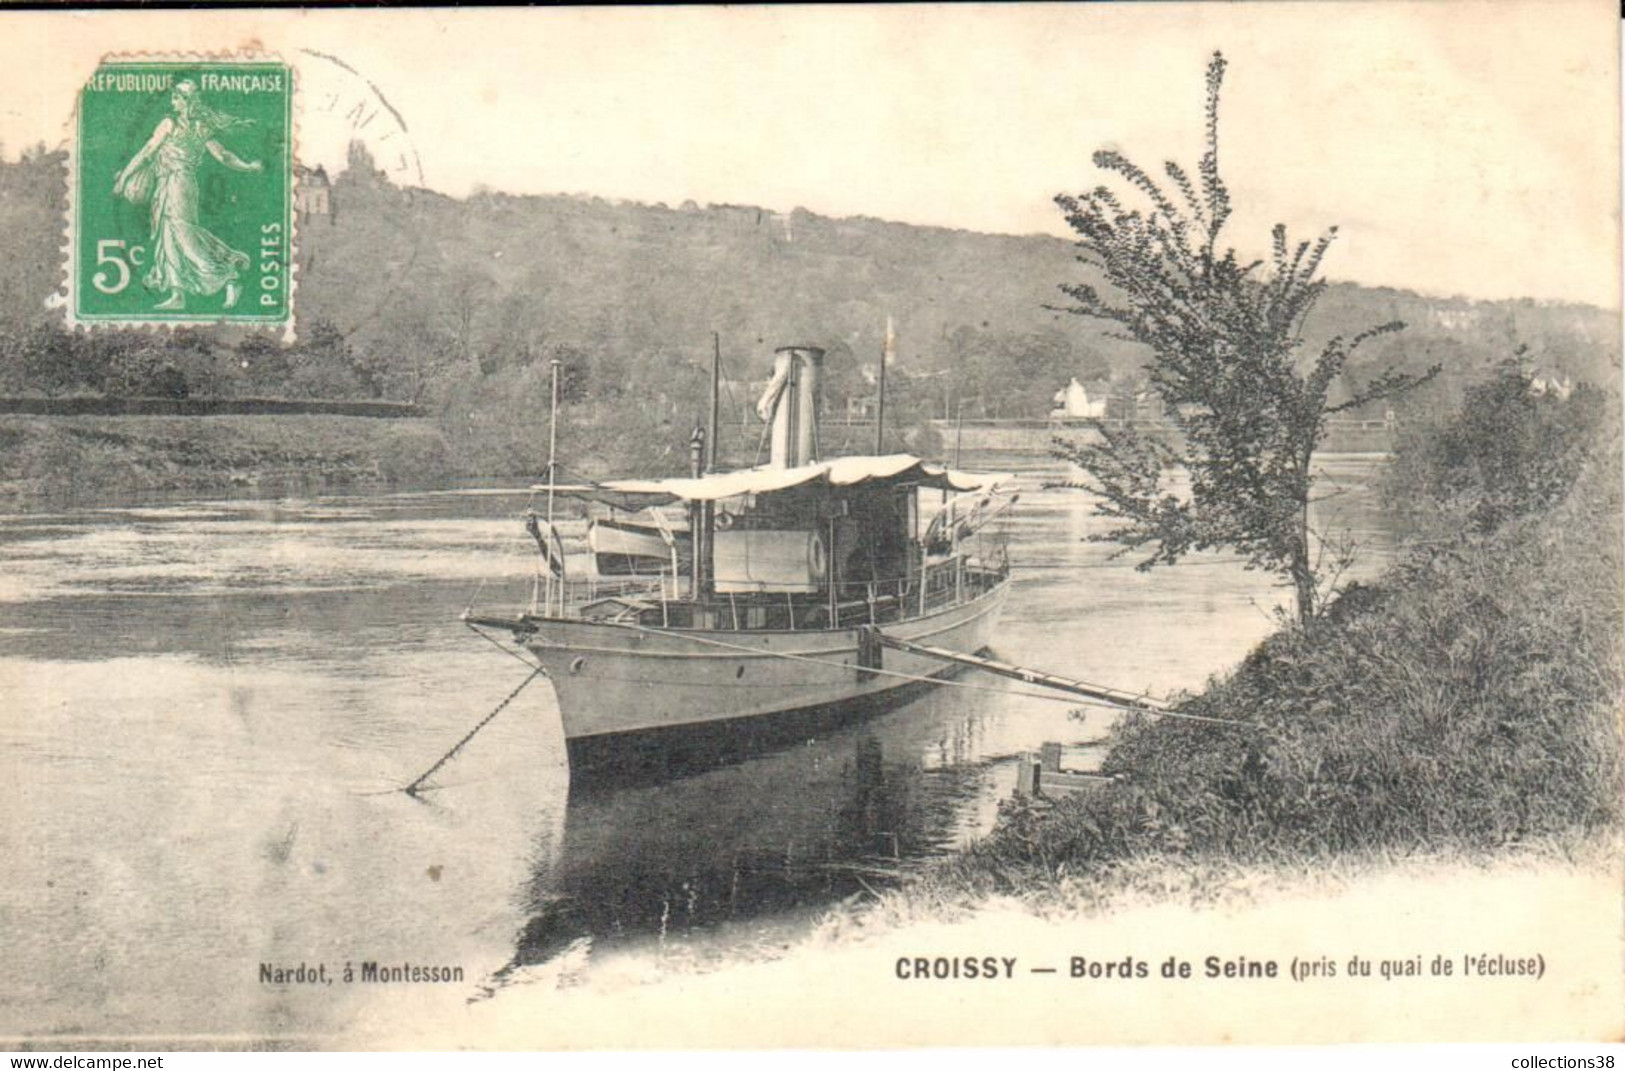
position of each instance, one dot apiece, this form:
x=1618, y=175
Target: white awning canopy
x=841, y=472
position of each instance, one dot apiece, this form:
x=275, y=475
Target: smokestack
x=780, y=400
x=809, y=389
x=790, y=404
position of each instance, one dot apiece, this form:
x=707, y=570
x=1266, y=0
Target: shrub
x=1510, y=451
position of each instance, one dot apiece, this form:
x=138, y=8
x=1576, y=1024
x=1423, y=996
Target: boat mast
x=553, y=464
x=959, y=434
x=702, y=521
x=716, y=384
x=959, y=430
x=696, y=518
x=880, y=406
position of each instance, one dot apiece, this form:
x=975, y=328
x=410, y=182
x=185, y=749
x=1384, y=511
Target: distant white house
x=312, y=194
x=1455, y=318
x=1076, y=400
x=1551, y=382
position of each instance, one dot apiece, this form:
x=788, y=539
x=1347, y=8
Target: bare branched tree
x=1225, y=339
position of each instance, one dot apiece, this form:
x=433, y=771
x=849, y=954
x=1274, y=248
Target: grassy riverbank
x=70, y=458
x=1465, y=704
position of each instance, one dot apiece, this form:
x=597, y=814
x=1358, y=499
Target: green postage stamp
x=181, y=194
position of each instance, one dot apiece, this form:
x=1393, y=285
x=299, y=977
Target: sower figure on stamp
x=186, y=257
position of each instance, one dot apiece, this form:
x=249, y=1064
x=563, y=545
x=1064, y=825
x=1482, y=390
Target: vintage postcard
x=790, y=527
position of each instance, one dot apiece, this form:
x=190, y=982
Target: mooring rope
x=1047, y=696
x=412, y=789
x=494, y=642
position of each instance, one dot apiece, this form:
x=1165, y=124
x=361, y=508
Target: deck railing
x=563, y=597
x=936, y=586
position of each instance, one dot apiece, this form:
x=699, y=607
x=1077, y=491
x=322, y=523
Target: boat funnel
x=791, y=405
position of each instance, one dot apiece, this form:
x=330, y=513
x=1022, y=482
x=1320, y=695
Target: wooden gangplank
x=1026, y=676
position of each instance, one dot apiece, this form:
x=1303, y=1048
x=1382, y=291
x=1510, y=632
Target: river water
x=209, y=707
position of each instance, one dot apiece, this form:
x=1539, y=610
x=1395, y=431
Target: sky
x=1461, y=148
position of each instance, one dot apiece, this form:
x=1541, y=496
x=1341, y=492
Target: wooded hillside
x=457, y=304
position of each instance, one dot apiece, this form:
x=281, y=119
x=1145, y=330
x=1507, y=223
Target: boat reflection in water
x=758, y=839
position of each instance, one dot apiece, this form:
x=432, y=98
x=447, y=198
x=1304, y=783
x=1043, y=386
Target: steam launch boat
x=736, y=603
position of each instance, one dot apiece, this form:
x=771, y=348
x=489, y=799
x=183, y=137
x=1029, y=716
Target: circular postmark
x=343, y=108
x=348, y=123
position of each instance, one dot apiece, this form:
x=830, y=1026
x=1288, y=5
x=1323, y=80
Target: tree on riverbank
x=1226, y=357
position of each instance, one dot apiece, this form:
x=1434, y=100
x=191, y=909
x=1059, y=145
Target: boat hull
x=616, y=759
x=614, y=681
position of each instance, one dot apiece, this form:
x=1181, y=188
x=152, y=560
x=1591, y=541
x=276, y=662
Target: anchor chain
x=412, y=789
